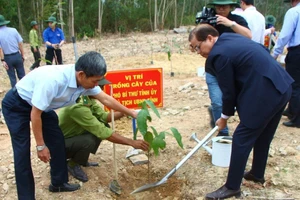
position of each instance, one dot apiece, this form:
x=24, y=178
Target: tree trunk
x=71, y=19
x=163, y=14
x=182, y=13
x=41, y=15
x=150, y=16
x=61, y=14
x=20, y=18
x=175, y=13
x=100, y=14
x=155, y=15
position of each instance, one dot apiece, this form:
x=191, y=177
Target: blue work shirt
x=52, y=87
x=9, y=40
x=290, y=32
x=54, y=37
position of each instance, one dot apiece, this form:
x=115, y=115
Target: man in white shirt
x=34, y=98
x=255, y=20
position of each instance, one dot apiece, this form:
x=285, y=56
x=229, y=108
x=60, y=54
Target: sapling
x=150, y=134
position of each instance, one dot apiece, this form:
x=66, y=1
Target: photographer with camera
x=224, y=21
x=54, y=39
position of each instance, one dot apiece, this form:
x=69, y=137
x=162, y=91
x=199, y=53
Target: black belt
x=11, y=54
x=294, y=47
x=15, y=92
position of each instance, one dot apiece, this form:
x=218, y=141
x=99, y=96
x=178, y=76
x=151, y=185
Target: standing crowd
x=241, y=74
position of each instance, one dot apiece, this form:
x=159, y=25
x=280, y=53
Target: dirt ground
x=186, y=110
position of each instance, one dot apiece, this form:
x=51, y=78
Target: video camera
x=207, y=16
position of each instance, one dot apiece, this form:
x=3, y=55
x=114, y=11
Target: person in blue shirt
x=11, y=51
x=290, y=36
x=54, y=39
x=34, y=98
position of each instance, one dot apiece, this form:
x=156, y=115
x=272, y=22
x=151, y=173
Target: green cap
x=104, y=81
x=3, y=21
x=51, y=19
x=270, y=19
x=32, y=23
x=224, y=2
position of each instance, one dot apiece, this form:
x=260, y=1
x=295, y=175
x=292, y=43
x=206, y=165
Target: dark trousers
x=244, y=139
x=15, y=64
x=78, y=148
x=292, y=61
x=16, y=113
x=55, y=54
x=37, y=58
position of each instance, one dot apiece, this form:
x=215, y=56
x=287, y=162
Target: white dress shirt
x=51, y=87
x=256, y=23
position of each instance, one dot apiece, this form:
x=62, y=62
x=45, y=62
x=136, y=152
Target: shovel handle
x=113, y=130
x=201, y=143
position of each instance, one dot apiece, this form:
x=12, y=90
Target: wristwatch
x=40, y=148
x=233, y=24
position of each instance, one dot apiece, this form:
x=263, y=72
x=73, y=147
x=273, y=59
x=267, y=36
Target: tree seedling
x=150, y=134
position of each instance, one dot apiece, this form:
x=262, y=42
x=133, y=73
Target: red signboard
x=131, y=87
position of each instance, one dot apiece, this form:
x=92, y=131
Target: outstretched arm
x=137, y=144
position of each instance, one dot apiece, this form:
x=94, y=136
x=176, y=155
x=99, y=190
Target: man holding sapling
x=84, y=126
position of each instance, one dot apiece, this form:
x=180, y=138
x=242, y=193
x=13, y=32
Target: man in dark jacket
x=254, y=84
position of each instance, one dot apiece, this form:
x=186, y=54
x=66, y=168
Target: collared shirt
x=52, y=87
x=290, y=32
x=85, y=116
x=33, y=38
x=54, y=37
x=256, y=23
x=9, y=40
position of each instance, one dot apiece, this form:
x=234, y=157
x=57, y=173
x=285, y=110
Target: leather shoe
x=78, y=173
x=223, y=193
x=291, y=124
x=91, y=164
x=287, y=114
x=65, y=187
x=250, y=177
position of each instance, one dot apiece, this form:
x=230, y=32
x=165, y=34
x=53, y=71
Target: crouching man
x=84, y=126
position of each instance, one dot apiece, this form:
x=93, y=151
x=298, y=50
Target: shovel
x=164, y=179
x=114, y=185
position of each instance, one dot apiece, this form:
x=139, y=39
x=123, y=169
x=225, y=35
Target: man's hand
x=140, y=144
x=44, y=155
x=221, y=123
x=5, y=65
x=224, y=20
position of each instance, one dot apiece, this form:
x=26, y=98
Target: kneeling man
x=84, y=126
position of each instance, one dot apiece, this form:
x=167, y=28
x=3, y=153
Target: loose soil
x=186, y=110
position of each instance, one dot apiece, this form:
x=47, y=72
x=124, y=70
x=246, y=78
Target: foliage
x=155, y=139
x=118, y=16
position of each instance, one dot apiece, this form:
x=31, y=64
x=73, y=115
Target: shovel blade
x=148, y=186
x=115, y=187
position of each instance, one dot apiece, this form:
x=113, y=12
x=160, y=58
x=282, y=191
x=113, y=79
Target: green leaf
x=148, y=137
x=169, y=55
x=154, y=131
x=158, y=143
x=152, y=106
x=142, y=121
x=177, y=136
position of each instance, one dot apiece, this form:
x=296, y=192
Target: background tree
x=120, y=16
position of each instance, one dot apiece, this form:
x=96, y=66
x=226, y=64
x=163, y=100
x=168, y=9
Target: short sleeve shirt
x=51, y=87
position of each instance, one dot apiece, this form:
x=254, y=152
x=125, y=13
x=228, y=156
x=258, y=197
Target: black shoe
x=250, y=177
x=91, y=164
x=78, y=173
x=223, y=193
x=287, y=114
x=291, y=124
x=65, y=187
x=222, y=134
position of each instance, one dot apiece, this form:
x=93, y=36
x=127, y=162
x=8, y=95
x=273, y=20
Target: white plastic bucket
x=221, y=152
